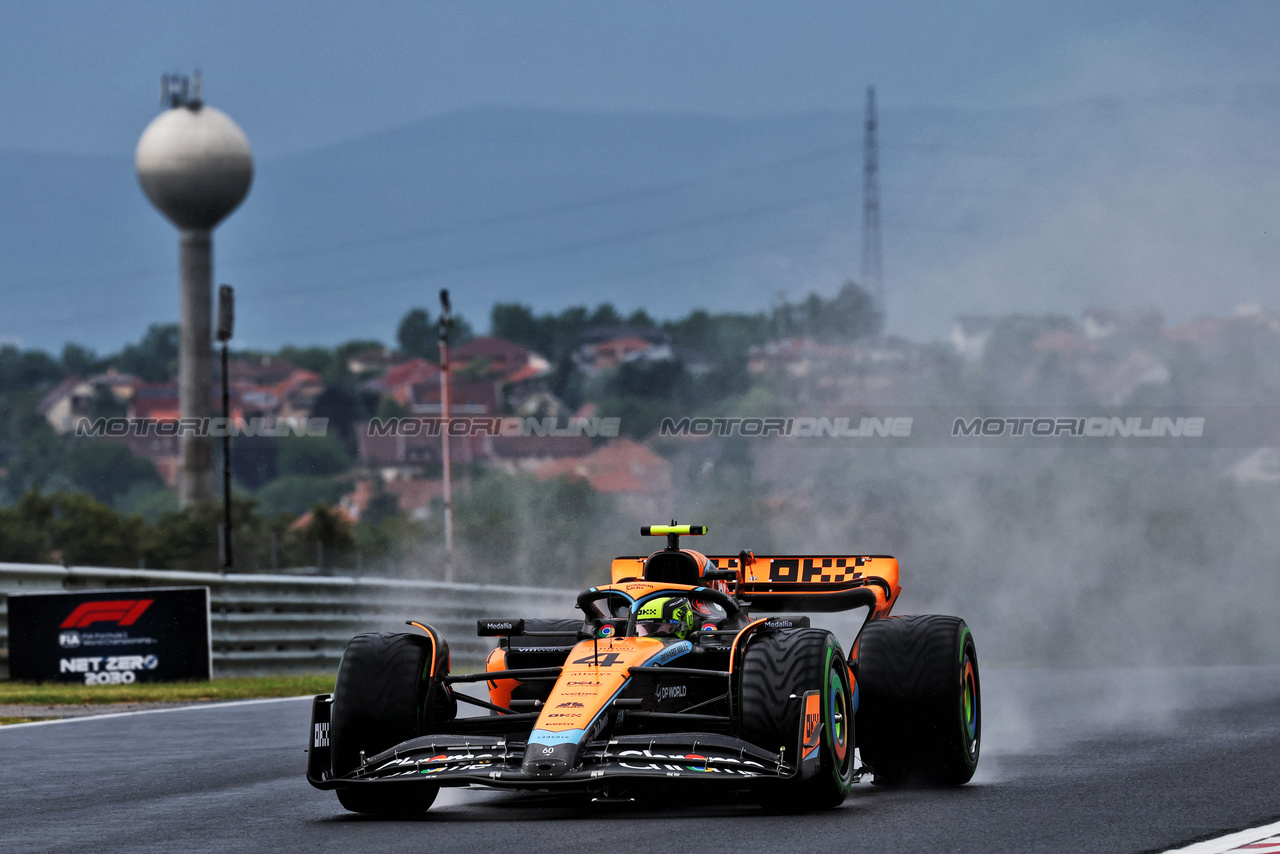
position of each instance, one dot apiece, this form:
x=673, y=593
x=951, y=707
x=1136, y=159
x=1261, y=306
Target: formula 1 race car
x=666, y=681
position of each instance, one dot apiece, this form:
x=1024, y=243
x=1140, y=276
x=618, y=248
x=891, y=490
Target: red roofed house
x=266, y=371
x=74, y=398
x=636, y=476
x=373, y=360
x=508, y=361
x=398, y=381
x=479, y=397
x=297, y=393
x=606, y=355
x=67, y=403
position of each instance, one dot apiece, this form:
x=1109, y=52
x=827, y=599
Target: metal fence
x=287, y=623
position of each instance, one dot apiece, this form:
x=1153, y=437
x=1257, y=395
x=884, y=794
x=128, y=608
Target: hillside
x=1165, y=200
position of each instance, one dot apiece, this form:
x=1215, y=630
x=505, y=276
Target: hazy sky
x=1171, y=205
x=82, y=76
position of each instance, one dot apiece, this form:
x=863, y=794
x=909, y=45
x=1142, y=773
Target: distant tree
x=318, y=359
x=460, y=332
x=253, y=460
x=417, y=335
x=640, y=318
x=311, y=455
x=546, y=334
x=23, y=529
x=653, y=380
x=813, y=312
x=89, y=533
x=107, y=469
x=80, y=361
x=389, y=407
x=345, y=351
x=149, y=502
x=605, y=315
x=24, y=369
x=566, y=327
x=852, y=313
x=516, y=323
x=72, y=527
x=344, y=407
x=293, y=494
x=40, y=451
x=724, y=337
x=328, y=528
x=188, y=539
x=381, y=507
x=567, y=382
x=155, y=357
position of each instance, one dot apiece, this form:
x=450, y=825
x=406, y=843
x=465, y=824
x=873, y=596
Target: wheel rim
x=969, y=709
x=838, y=714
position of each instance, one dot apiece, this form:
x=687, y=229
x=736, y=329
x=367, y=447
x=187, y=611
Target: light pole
x=446, y=320
x=226, y=321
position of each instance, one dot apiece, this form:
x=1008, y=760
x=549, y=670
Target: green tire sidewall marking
x=838, y=766
x=966, y=637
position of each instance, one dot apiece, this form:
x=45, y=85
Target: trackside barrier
x=289, y=623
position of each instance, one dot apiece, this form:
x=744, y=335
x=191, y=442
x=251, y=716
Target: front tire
x=376, y=800
x=920, y=705
x=390, y=688
x=778, y=670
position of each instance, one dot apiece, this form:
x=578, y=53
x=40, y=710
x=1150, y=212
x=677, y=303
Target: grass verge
x=237, y=688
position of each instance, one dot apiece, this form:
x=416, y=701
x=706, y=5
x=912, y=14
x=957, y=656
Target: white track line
x=1230, y=842
x=225, y=705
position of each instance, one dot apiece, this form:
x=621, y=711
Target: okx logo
x=122, y=612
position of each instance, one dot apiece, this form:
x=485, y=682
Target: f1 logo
x=122, y=612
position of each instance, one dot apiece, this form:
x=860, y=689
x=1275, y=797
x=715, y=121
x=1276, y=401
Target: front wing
x=456, y=760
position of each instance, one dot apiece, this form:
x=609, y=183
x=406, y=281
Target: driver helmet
x=668, y=616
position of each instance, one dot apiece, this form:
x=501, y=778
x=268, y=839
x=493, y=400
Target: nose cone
x=550, y=761
x=194, y=165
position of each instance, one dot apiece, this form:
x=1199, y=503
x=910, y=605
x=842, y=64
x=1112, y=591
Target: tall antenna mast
x=872, y=266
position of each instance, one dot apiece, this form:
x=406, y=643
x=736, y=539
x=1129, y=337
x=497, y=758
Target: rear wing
x=802, y=583
x=818, y=583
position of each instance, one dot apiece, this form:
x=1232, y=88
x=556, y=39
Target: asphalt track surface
x=1090, y=761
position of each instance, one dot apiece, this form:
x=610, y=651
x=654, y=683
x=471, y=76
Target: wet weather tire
x=377, y=800
x=385, y=694
x=778, y=670
x=919, y=716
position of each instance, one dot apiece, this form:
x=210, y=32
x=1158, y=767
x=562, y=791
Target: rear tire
x=919, y=716
x=385, y=694
x=777, y=666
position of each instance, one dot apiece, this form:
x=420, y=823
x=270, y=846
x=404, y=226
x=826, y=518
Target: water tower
x=194, y=165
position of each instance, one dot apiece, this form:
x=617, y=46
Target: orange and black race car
x=668, y=680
